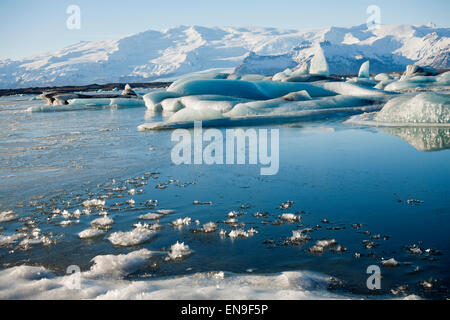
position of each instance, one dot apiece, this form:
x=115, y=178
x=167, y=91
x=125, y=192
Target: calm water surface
x=330, y=170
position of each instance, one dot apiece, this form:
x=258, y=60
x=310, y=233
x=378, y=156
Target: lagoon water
x=334, y=171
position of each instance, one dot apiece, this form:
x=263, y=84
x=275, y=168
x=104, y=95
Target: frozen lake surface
x=348, y=183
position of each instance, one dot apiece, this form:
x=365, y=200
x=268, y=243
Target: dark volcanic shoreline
x=91, y=87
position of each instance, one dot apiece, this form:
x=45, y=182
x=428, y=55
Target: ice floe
x=321, y=245
x=94, y=203
x=390, y=263
x=135, y=237
x=180, y=222
x=209, y=227
x=91, y=233
x=179, y=251
x=105, y=222
x=151, y=216
x=7, y=216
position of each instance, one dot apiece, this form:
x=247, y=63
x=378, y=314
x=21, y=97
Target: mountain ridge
x=171, y=53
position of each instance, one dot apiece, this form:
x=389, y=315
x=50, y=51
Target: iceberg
x=190, y=115
x=420, y=81
x=364, y=72
x=127, y=102
x=153, y=100
x=233, y=88
x=424, y=108
x=319, y=65
x=283, y=107
x=382, y=77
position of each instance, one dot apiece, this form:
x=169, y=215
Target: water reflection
x=426, y=139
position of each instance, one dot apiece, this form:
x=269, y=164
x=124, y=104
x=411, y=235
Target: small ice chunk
x=391, y=263
x=10, y=239
x=299, y=236
x=209, y=227
x=94, y=203
x=382, y=77
x=181, y=222
x=321, y=245
x=7, y=216
x=290, y=217
x=238, y=233
x=179, y=251
x=117, y=266
x=91, y=233
x=104, y=222
x=69, y=222
x=165, y=211
x=151, y=216
x=131, y=238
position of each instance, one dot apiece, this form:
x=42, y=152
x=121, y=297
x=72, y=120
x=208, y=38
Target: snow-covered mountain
x=168, y=54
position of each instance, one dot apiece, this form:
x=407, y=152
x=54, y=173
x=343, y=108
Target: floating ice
x=415, y=70
x=290, y=217
x=151, y=216
x=127, y=102
x=131, y=238
x=172, y=104
x=190, y=115
x=364, y=72
x=241, y=233
x=299, y=236
x=117, y=266
x=153, y=100
x=382, y=77
x=11, y=239
x=283, y=107
x=427, y=107
x=391, y=263
x=91, y=233
x=181, y=222
x=209, y=227
x=7, y=216
x=416, y=82
x=321, y=245
x=165, y=211
x=104, y=222
x=94, y=203
x=69, y=222
x=179, y=251
x=233, y=88
x=319, y=65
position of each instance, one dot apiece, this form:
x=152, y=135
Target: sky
x=29, y=27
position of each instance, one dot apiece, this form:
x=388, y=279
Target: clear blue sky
x=37, y=26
